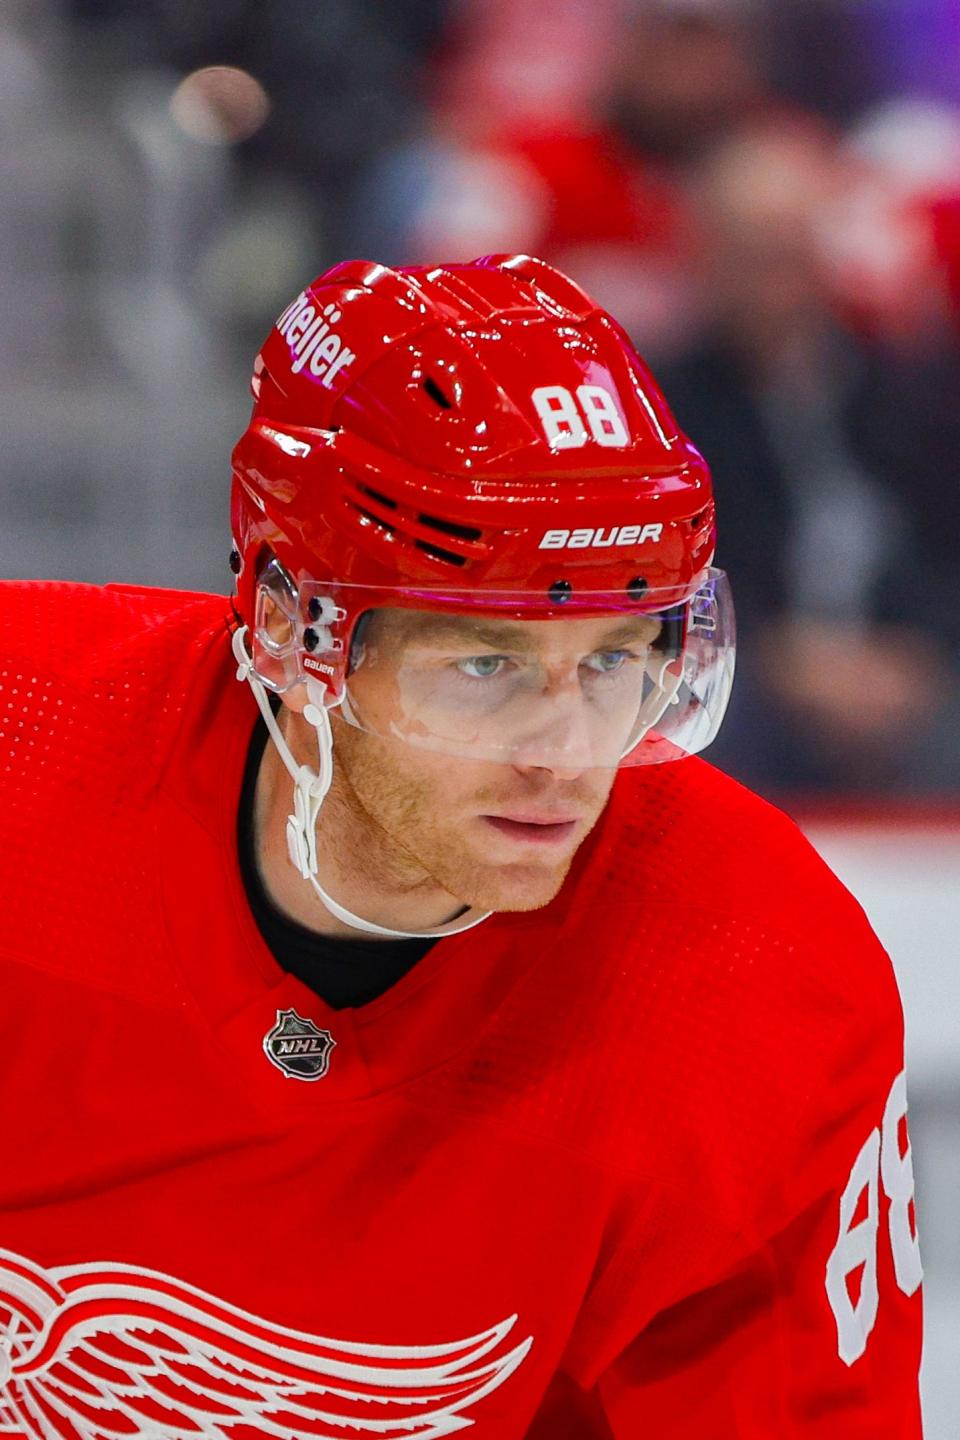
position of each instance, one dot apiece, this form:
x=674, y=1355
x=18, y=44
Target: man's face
x=488, y=749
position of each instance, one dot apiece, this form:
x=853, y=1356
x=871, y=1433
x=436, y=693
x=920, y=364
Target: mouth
x=532, y=831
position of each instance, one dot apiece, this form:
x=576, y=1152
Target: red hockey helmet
x=476, y=440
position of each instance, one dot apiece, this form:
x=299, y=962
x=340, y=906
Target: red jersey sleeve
x=815, y=1331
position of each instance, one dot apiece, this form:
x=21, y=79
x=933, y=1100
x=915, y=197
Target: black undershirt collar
x=344, y=973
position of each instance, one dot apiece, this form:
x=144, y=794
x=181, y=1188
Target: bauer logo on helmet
x=599, y=539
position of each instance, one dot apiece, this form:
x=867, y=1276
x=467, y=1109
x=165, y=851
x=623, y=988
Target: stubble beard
x=384, y=820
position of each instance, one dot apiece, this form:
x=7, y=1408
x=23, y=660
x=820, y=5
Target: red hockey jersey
x=634, y=1164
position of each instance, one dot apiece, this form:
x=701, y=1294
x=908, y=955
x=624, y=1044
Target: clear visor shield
x=589, y=690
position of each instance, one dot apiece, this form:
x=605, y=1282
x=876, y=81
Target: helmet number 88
x=879, y=1162
x=562, y=416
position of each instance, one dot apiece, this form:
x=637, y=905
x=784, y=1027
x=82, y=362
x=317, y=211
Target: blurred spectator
x=892, y=235
x=342, y=79
x=849, y=639
x=500, y=68
x=588, y=176
x=175, y=171
x=688, y=71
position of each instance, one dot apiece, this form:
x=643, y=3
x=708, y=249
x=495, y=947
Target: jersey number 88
x=879, y=1162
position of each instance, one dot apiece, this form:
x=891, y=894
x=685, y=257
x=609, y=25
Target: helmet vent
x=433, y=390
x=447, y=556
x=395, y=520
x=461, y=532
x=376, y=520
x=376, y=495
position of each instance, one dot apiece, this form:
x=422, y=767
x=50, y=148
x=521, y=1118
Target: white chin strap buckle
x=302, y=824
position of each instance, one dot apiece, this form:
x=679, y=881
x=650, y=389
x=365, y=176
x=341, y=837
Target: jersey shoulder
x=84, y=664
x=73, y=630
x=686, y=834
x=93, y=687
x=704, y=981
x=753, y=969
x=747, y=893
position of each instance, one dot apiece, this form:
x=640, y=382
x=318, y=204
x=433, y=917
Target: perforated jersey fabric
x=634, y=1164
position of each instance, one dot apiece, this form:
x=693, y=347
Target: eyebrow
x=508, y=637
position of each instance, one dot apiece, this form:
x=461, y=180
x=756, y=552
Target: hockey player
x=416, y=1035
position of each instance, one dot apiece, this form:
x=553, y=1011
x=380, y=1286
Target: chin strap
x=309, y=792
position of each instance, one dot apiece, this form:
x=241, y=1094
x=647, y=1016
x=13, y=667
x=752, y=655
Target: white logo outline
x=85, y=1341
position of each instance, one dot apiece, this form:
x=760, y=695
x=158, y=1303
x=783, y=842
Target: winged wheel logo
x=93, y=1352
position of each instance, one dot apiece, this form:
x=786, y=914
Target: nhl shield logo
x=298, y=1047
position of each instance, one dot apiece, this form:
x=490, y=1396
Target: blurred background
x=766, y=195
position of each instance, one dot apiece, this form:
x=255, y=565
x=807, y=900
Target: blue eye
x=608, y=662
x=481, y=667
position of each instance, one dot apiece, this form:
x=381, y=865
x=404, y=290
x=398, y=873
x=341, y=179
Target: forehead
x=433, y=629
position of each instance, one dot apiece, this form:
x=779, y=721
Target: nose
x=556, y=737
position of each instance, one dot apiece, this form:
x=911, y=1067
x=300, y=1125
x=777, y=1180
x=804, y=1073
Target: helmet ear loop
x=309, y=796
x=309, y=789
x=273, y=636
